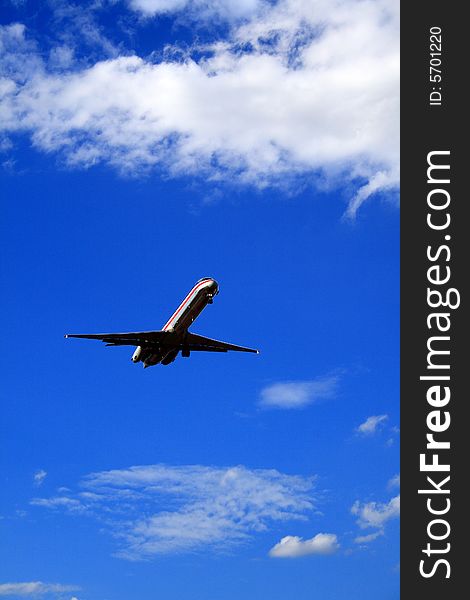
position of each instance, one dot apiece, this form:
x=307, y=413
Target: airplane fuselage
x=163, y=346
x=190, y=308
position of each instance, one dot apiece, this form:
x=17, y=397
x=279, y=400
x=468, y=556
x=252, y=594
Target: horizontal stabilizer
x=198, y=342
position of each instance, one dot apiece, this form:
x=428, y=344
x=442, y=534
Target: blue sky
x=148, y=144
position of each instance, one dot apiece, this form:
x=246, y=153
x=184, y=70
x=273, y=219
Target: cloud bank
x=292, y=546
x=296, y=88
x=161, y=509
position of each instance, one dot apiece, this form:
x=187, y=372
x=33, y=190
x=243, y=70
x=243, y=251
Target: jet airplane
x=163, y=346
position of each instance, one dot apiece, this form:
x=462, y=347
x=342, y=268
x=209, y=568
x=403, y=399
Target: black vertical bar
x=432, y=96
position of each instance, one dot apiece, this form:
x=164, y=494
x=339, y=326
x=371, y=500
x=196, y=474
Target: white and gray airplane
x=163, y=346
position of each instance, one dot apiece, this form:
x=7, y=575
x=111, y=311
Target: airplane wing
x=196, y=342
x=137, y=338
x=192, y=341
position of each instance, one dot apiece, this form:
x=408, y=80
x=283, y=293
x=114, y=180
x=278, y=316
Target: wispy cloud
x=35, y=588
x=292, y=546
x=394, y=482
x=298, y=394
x=297, y=88
x=366, y=539
x=376, y=514
x=228, y=10
x=39, y=477
x=59, y=502
x=77, y=30
x=372, y=424
x=161, y=509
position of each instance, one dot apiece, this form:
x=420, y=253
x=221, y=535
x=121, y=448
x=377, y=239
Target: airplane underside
x=150, y=357
x=155, y=354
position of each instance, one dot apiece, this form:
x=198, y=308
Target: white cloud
x=394, y=482
x=303, y=87
x=380, y=181
x=76, y=26
x=293, y=546
x=59, y=502
x=39, y=477
x=376, y=514
x=372, y=424
x=35, y=588
x=366, y=539
x=198, y=9
x=161, y=509
x=297, y=394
